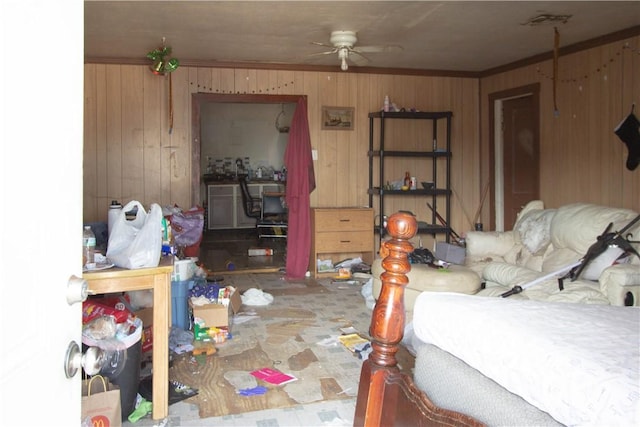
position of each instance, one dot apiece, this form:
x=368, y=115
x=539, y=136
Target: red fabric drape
x=301, y=182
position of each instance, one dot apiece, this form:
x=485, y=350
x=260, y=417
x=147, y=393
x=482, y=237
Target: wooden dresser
x=340, y=233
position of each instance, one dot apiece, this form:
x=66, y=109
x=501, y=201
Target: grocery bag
x=101, y=402
x=136, y=243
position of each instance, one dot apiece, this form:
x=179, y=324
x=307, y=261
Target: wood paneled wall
x=581, y=159
x=130, y=153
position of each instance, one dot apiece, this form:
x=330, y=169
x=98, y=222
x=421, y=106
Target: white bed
x=579, y=363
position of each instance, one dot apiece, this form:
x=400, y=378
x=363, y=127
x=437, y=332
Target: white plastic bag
x=136, y=243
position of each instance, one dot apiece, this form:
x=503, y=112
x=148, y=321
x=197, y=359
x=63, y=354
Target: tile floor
x=344, y=301
x=331, y=413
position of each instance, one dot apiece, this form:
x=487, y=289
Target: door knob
x=92, y=361
x=77, y=290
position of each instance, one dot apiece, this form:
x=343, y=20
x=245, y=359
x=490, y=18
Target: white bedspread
x=579, y=363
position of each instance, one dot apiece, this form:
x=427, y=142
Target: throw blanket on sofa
x=579, y=363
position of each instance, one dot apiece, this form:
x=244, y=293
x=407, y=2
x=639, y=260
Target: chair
x=273, y=221
x=252, y=205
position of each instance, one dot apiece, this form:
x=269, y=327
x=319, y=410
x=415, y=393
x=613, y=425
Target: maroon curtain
x=300, y=183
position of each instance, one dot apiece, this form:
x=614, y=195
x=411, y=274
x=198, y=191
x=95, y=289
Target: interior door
x=41, y=194
x=520, y=156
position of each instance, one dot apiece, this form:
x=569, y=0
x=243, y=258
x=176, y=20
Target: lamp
x=343, y=54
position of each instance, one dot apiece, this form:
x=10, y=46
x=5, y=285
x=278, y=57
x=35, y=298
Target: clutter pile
x=351, y=265
x=110, y=325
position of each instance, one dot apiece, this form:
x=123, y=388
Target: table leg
x=161, y=324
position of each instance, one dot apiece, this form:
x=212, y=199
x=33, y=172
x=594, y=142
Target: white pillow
x=594, y=269
x=533, y=205
x=535, y=229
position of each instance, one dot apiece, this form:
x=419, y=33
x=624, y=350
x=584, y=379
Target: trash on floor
x=177, y=390
x=255, y=296
x=353, y=342
x=180, y=341
x=255, y=391
x=273, y=376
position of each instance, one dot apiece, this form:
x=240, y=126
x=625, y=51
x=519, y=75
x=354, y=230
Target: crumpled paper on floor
x=255, y=296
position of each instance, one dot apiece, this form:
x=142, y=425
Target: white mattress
x=579, y=363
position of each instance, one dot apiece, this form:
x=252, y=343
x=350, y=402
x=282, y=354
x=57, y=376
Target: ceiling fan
x=343, y=42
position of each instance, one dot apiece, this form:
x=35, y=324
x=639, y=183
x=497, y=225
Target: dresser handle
x=345, y=241
x=345, y=220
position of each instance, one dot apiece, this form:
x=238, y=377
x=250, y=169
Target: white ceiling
x=434, y=35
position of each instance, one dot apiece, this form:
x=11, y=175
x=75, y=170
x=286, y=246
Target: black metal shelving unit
x=434, y=154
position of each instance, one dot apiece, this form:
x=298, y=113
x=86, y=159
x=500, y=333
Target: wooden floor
x=226, y=251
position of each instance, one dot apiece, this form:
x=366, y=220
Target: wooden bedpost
x=387, y=321
x=387, y=397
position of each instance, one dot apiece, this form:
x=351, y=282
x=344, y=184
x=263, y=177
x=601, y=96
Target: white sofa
x=546, y=240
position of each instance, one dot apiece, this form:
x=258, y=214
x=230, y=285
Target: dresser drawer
x=343, y=219
x=344, y=241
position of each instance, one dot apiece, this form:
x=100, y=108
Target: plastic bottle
x=386, y=103
x=407, y=179
x=114, y=211
x=88, y=246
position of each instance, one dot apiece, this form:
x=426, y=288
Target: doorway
x=515, y=152
x=198, y=101
x=225, y=250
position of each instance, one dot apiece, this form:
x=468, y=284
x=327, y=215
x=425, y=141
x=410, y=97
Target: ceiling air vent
x=547, y=18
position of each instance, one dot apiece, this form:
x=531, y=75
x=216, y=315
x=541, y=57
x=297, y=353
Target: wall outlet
x=314, y=154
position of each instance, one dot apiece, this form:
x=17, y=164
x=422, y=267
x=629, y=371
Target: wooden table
x=159, y=280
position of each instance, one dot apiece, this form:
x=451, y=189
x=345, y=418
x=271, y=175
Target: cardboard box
x=146, y=315
x=450, y=253
x=217, y=314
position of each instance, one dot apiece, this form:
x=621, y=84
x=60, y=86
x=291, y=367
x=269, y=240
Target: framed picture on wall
x=337, y=118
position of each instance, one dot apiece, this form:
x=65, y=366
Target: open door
x=41, y=193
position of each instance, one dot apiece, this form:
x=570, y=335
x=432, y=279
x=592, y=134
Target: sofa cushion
x=578, y=225
x=506, y=276
x=488, y=243
x=509, y=275
x=559, y=258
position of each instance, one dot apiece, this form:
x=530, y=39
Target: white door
x=41, y=203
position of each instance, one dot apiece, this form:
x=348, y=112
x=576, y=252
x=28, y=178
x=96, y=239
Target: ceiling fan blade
x=329, y=52
x=330, y=46
x=357, y=58
x=375, y=49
